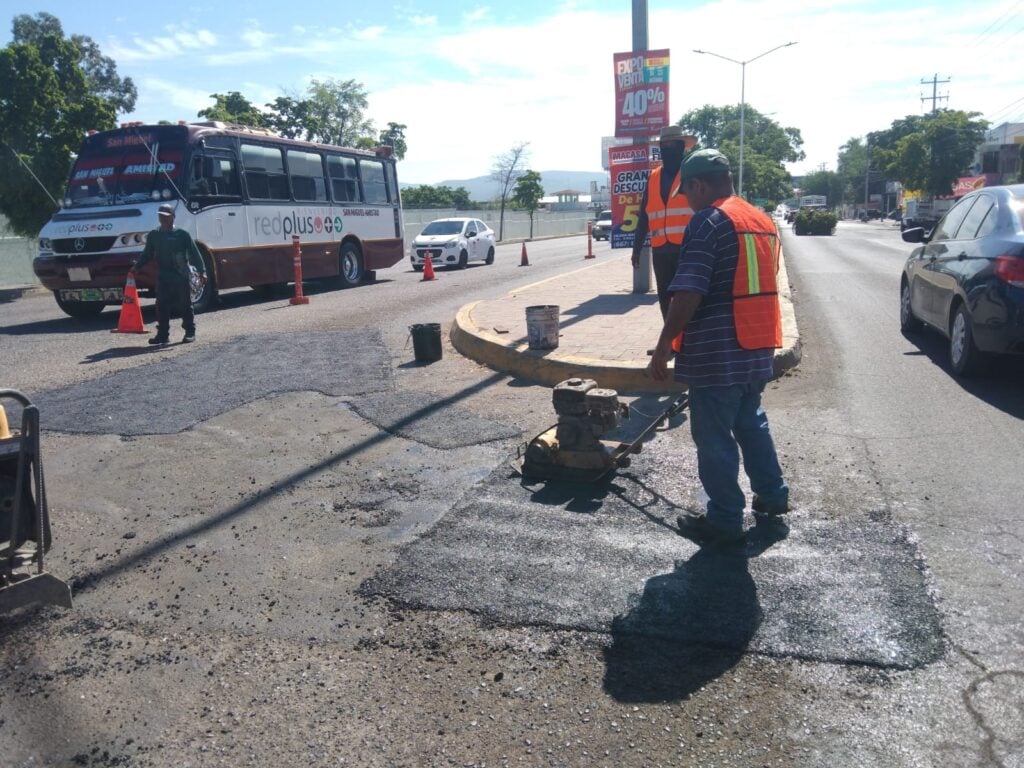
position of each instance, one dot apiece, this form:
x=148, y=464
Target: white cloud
x=369, y=33
x=423, y=21
x=255, y=37
x=477, y=14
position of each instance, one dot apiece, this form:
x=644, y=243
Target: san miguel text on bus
x=242, y=193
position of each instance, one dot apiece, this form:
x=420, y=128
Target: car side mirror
x=471, y=233
x=914, y=235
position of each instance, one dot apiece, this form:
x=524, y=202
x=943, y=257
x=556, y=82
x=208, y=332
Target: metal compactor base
x=572, y=449
x=24, y=516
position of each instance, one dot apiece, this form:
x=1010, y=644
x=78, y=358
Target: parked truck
x=924, y=212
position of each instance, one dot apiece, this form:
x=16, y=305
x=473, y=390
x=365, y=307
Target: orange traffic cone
x=524, y=261
x=428, y=269
x=131, y=313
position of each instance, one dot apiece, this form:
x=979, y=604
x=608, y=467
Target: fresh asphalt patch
x=426, y=419
x=174, y=394
x=608, y=559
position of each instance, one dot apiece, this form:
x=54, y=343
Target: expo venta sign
x=641, y=92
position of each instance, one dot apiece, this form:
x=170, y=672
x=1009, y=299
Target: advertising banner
x=630, y=167
x=641, y=92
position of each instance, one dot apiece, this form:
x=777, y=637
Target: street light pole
x=743, y=94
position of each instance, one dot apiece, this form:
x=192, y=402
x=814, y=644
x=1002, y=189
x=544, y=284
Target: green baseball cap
x=704, y=162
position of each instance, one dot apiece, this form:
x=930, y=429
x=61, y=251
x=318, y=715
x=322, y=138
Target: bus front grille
x=83, y=244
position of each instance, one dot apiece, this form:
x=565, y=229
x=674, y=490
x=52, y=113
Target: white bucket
x=542, y=326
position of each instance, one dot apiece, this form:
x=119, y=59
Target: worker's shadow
x=690, y=626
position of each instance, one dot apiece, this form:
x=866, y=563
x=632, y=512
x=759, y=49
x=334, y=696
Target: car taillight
x=1010, y=269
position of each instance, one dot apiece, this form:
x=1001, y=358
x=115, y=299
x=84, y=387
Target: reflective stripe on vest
x=666, y=221
x=755, y=306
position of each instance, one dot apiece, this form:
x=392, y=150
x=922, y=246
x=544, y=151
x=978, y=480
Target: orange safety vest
x=755, y=306
x=666, y=220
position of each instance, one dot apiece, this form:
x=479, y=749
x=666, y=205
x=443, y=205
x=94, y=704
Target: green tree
x=233, y=107
x=394, y=136
x=827, y=183
x=527, y=194
x=506, y=170
x=100, y=71
x=331, y=113
x=766, y=146
x=932, y=157
x=53, y=89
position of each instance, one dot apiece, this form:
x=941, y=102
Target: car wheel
x=965, y=357
x=463, y=259
x=80, y=310
x=490, y=256
x=351, y=266
x=908, y=323
x=204, y=296
x=417, y=267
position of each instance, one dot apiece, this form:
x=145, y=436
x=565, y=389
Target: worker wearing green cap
x=725, y=305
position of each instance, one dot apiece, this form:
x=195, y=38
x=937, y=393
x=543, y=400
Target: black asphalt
x=425, y=419
x=608, y=559
x=176, y=393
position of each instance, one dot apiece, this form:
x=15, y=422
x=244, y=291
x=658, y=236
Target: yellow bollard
x=5, y=432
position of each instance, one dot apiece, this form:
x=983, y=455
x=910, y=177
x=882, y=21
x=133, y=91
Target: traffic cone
x=428, y=269
x=524, y=261
x=131, y=313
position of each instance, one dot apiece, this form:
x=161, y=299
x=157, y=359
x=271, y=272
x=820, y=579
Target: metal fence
x=517, y=223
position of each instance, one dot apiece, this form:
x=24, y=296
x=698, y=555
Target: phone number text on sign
x=630, y=167
x=641, y=92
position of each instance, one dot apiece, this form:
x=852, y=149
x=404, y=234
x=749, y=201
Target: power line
x=997, y=113
x=984, y=33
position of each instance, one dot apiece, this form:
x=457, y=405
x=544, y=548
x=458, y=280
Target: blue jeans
x=725, y=421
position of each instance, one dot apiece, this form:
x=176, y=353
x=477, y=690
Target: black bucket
x=426, y=341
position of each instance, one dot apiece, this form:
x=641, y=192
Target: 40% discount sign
x=641, y=92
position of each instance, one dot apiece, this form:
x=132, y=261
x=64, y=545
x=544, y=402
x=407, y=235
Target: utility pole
x=935, y=91
x=642, y=273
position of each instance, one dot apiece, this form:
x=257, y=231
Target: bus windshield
x=129, y=170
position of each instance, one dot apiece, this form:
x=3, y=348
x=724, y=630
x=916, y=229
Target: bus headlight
x=155, y=194
x=166, y=194
x=45, y=244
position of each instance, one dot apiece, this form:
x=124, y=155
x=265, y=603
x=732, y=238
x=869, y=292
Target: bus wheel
x=80, y=310
x=351, y=265
x=205, y=296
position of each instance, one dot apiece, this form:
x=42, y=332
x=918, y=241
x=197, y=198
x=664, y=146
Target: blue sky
x=470, y=79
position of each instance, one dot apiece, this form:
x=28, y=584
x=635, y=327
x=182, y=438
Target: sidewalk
x=605, y=329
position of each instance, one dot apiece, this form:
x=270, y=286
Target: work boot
x=697, y=528
x=765, y=509
x=158, y=339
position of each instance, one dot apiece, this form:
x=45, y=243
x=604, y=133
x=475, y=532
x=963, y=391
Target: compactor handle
x=15, y=395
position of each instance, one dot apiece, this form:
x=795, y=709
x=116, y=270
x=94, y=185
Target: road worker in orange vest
x=664, y=211
x=725, y=298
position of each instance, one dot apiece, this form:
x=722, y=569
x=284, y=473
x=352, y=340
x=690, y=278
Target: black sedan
x=966, y=280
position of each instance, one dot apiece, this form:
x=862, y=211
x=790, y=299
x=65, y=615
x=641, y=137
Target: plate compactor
x=24, y=515
x=572, y=449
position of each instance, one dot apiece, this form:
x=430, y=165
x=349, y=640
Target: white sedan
x=453, y=243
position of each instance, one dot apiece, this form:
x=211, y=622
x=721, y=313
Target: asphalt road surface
x=290, y=544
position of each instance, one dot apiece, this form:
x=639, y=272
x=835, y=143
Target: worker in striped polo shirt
x=725, y=305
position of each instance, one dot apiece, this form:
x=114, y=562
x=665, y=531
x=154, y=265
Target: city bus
x=242, y=193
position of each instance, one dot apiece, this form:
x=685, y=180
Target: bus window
x=306, y=170
x=265, y=176
x=214, y=176
x=343, y=179
x=375, y=188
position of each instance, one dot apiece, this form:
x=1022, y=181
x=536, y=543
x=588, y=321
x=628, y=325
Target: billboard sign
x=630, y=167
x=641, y=92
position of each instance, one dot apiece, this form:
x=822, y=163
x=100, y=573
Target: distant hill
x=483, y=188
